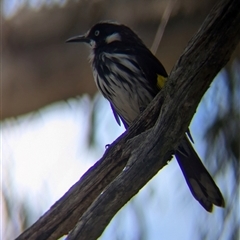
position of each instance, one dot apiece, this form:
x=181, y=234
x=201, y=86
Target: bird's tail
x=200, y=182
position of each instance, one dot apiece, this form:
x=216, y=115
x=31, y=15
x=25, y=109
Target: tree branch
x=146, y=146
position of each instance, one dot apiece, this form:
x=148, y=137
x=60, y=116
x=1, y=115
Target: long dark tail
x=200, y=182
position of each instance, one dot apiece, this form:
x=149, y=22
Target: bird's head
x=105, y=33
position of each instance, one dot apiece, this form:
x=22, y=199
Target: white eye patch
x=92, y=44
x=112, y=38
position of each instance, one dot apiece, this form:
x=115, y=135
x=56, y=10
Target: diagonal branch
x=149, y=143
x=210, y=49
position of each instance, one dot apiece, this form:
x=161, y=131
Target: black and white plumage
x=130, y=76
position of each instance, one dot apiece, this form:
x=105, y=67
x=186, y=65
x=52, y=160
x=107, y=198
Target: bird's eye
x=96, y=33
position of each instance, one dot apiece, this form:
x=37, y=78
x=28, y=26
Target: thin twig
x=162, y=26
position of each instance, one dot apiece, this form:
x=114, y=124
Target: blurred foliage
x=222, y=133
x=223, y=143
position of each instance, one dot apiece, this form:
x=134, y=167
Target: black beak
x=80, y=38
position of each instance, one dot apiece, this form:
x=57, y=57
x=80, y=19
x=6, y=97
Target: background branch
x=205, y=55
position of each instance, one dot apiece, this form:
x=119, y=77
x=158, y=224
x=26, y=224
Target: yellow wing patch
x=161, y=81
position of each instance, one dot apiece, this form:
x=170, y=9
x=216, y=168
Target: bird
x=129, y=76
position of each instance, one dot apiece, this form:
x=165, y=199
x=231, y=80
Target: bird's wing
x=151, y=67
x=118, y=117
